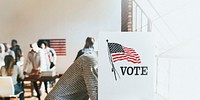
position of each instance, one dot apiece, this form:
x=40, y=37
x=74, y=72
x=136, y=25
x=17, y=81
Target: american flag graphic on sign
x=119, y=52
x=59, y=45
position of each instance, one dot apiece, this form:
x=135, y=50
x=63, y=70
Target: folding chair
x=7, y=88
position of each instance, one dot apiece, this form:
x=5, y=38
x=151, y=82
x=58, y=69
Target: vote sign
x=126, y=62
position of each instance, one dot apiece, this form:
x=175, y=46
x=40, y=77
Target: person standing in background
x=45, y=61
x=8, y=51
x=89, y=42
x=33, y=59
x=16, y=48
x=45, y=56
x=51, y=54
x=32, y=65
x=52, y=58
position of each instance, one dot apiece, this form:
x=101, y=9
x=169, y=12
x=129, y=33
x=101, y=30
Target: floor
x=43, y=95
x=35, y=98
x=156, y=97
x=29, y=97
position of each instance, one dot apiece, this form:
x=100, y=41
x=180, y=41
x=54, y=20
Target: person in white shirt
x=2, y=54
x=45, y=61
x=8, y=51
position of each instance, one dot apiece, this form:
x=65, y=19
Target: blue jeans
x=18, y=88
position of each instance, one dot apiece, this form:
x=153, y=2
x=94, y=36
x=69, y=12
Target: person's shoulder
x=90, y=55
x=81, y=50
x=88, y=58
x=17, y=46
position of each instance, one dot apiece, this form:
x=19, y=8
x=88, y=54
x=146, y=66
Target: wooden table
x=34, y=78
x=40, y=78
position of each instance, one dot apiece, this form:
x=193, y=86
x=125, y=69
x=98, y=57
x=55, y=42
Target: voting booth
x=126, y=66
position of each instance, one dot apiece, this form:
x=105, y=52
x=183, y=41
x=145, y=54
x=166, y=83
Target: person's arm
x=89, y=77
x=54, y=56
x=27, y=68
x=19, y=51
x=37, y=61
x=20, y=73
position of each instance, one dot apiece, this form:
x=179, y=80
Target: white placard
x=126, y=62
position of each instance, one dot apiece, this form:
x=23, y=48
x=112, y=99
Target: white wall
x=30, y=20
x=178, y=78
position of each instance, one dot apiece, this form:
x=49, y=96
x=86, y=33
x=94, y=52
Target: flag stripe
x=119, y=57
x=59, y=45
x=124, y=57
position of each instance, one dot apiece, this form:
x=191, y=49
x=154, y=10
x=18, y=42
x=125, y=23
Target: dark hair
x=45, y=43
x=89, y=42
x=9, y=64
x=13, y=41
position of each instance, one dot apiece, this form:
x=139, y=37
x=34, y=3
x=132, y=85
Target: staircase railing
x=134, y=18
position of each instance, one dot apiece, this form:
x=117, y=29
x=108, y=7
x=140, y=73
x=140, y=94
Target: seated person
x=9, y=69
x=79, y=82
